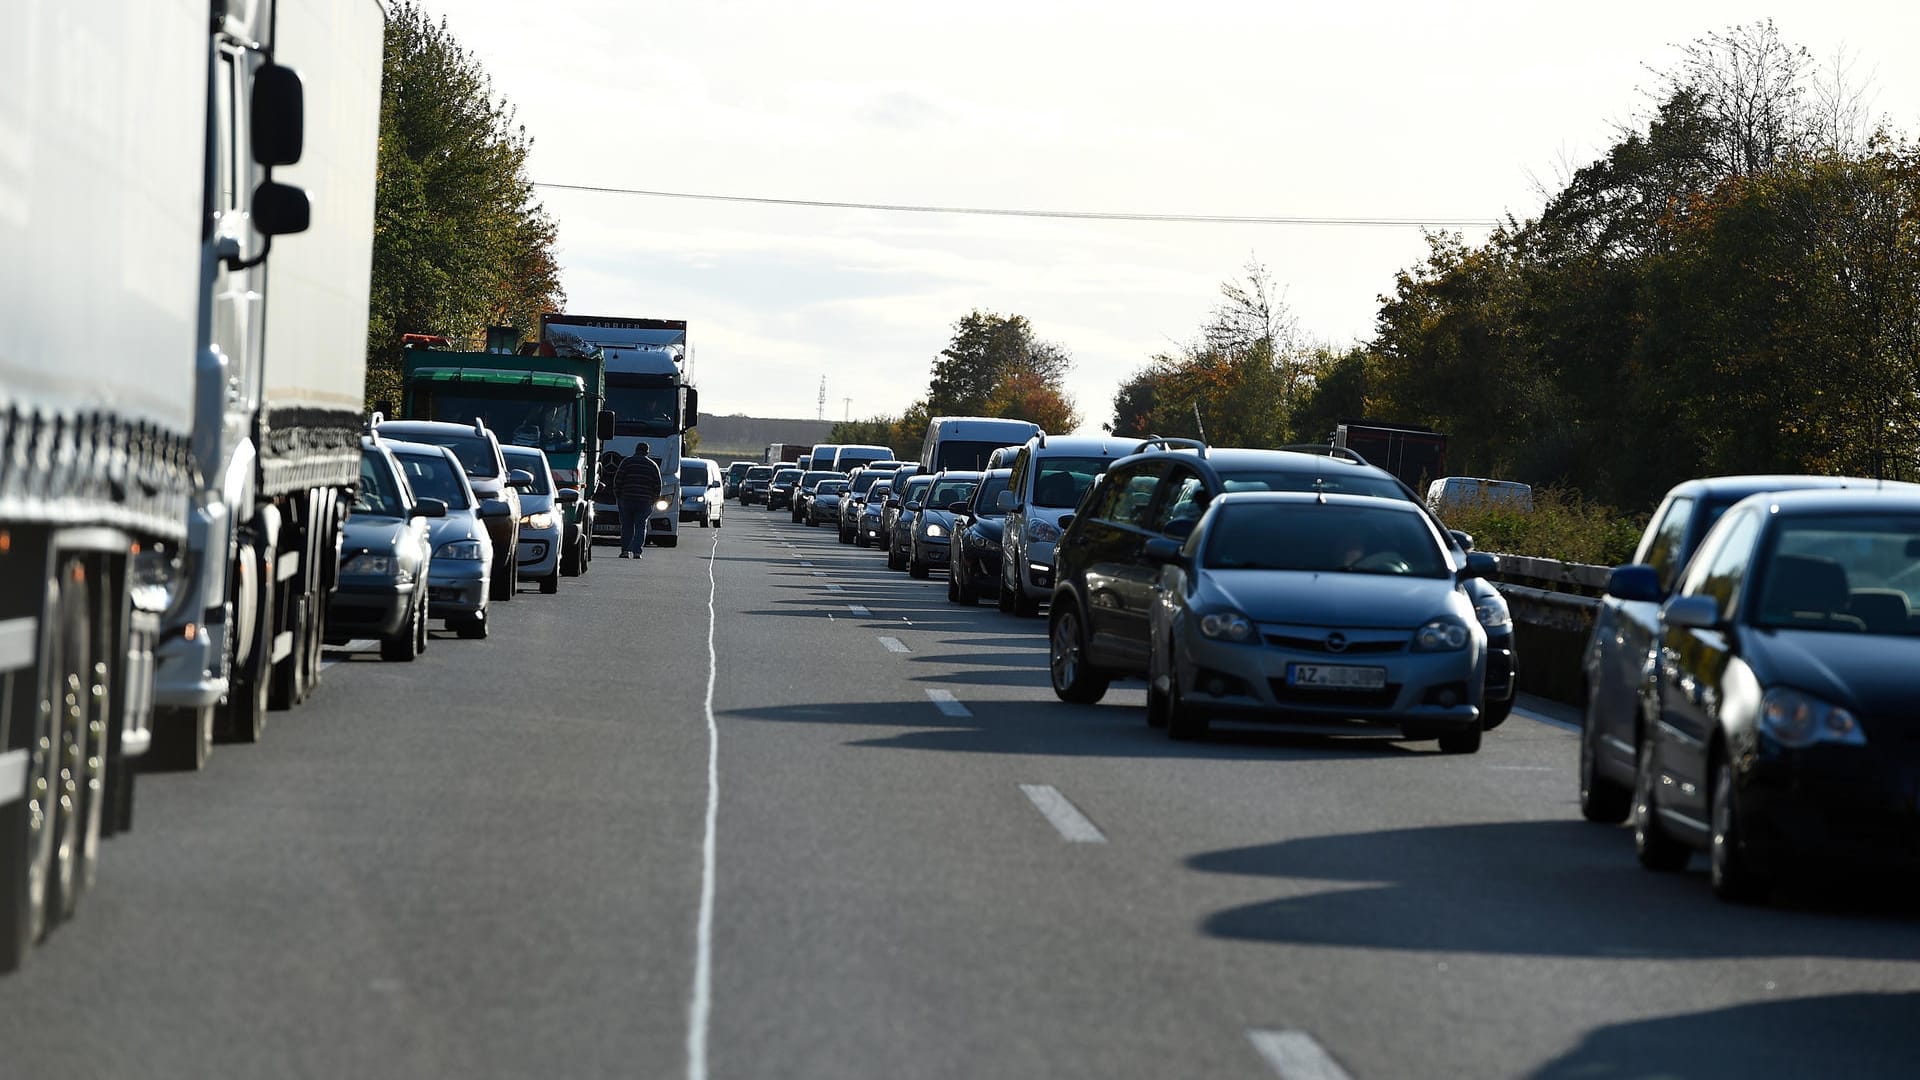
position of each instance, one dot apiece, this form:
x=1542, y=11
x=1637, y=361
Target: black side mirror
x=495, y=508
x=960, y=507
x=605, y=429
x=277, y=130
x=1066, y=522
x=280, y=209
x=567, y=496
x=913, y=507
x=1465, y=540
x=428, y=508
x=1162, y=550
x=1479, y=565
x=690, y=415
x=1634, y=581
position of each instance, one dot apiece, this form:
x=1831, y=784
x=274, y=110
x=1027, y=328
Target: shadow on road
x=1857, y=1036
x=1559, y=888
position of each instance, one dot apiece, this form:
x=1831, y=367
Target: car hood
x=1376, y=601
x=534, y=504
x=1872, y=674
x=373, y=533
x=457, y=525
x=930, y=516
x=990, y=529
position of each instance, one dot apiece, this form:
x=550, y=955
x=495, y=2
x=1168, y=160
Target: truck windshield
x=434, y=477
x=518, y=421
x=643, y=410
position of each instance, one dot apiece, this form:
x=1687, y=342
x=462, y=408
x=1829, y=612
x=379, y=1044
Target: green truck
x=552, y=403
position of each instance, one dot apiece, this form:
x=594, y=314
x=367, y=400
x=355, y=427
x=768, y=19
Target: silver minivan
x=1050, y=473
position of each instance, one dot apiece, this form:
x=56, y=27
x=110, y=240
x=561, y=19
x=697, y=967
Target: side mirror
x=1465, y=540
x=690, y=415
x=1163, y=551
x=1479, y=565
x=280, y=209
x=1696, y=612
x=495, y=508
x=605, y=425
x=1634, y=581
x=1005, y=501
x=277, y=128
x=892, y=502
x=428, y=508
x=913, y=507
x=519, y=479
x=567, y=496
x=1066, y=522
x=961, y=507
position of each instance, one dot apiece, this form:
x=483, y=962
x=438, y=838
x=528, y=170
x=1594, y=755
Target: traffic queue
x=1747, y=679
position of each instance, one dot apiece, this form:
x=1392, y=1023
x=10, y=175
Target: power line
x=1065, y=215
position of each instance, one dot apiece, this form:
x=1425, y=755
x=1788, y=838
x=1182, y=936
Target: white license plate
x=1336, y=676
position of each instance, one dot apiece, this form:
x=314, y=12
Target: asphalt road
x=492, y=862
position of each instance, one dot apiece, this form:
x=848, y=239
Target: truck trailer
x=1415, y=454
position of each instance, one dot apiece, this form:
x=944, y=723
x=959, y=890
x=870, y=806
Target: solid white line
x=1062, y=814
x=894, y=644
x=700, y=1008
x=1296, y=1055
x=860, y=610
x=947, y=703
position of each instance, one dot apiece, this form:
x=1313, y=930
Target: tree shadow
x=1548, y=888
x=1857, y=1036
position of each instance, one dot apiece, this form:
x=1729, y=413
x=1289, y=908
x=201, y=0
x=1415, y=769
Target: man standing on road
x=635, y=487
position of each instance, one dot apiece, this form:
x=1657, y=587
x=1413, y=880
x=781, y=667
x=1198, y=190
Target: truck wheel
x=84, y=717
x=246, y=707
x=550, y=584
x=28, y=824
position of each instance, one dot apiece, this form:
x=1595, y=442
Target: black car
x=803, y=490
x=867, y=529
x=976, y=543
x=900, y=533
x=386, y=553
x=929, y=545
x=752, y=487
x=730, y=482
x=1162, y=493
x=780, y=488
x=826, y=502
x=1784, y=730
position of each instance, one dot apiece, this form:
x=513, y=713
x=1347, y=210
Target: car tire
x=1024, y=606
x=1732, y=874
x=1073, y=678
x=1652, y=844
x=1156, y=697
x=550, y=584
x=1184, y=722
x=404, y=644
x=894, y=559
x=860, y=539
x=917, y=569
x=668, y=541
x=1602, y=801
x=963, y=589
x=1462, y=742
x=570, y=561
x=1003, y=599
x=1495, y=713
x=422, y=627
x=501, y=586
x=471, y=627
x=953, y=588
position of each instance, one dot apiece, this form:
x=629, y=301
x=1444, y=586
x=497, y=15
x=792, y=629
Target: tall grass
x=1562, y=525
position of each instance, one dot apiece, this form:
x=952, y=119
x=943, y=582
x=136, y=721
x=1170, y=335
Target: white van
x=964, y=442
x=1050, y=473
x=702, y=491
x=1460, y=492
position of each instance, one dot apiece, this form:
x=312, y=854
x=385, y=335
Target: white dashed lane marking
x=1064, y=816
x=860, y=610
x=894, y=644
x=948, y=704
x=1296, y=1055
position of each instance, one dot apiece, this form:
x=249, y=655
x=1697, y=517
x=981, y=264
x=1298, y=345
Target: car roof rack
x=1325, y=450
x=1168, y=442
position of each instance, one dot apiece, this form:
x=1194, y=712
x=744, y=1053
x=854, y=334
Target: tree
x=986, y=350
x=460, y=243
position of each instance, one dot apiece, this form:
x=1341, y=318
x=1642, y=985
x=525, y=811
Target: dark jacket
x=638, y=478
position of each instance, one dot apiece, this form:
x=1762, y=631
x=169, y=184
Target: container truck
x=1415, y=454
x=156, y=145
x=652, y=405
x=545, y=400
x=785, y=453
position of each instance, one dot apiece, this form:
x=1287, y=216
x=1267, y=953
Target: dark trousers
x=634, y=514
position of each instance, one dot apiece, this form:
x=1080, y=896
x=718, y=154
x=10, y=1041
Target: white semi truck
x=653, y=406
x=163, y=448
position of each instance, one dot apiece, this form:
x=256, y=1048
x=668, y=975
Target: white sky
x=1381, y=109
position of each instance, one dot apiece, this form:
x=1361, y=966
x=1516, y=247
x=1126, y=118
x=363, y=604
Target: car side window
x=1181, y=504
x=1663, y=552
x=1016, y=482
x=1127, y=498
x=1720, y=572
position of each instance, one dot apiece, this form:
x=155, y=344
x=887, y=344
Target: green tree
x=460, y=243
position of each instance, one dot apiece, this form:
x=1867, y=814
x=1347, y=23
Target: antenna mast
x=820, y=404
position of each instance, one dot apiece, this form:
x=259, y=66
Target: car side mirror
x=961, y=507
x=519, y=479
x=892, y=503
x=1066, y=522
x=280, y=209
x=690, y=417
x=428, y=508
x=277, y=126
x=1163, y=551
x=495, y=508
x=1634, y=581
x=1465, y=540
x=1479, y=565
x=1005, y=501
x=567, y=496
x=1696, y=612
x=914, y=506
x=604, y=425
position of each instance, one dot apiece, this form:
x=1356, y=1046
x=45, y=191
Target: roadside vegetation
x=1562, y=525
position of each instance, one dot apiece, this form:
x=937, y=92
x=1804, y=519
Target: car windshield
x=957, y=454
x=432, y=476
x=1334, y=481
x=475, y=452
x=915, y=489
x=813, y=480
x=759, y=472
x=989, y=493
x=1851, y=574
x=1322, y=539
x=379, y=492
x=831, y=487
x=535, y=465
x=693, y=474
x=1062, y=480
x=786, y=476
x=948, y=492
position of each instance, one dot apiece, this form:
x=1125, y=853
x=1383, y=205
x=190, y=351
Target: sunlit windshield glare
x=1313, y=537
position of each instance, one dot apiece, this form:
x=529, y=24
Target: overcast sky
x=1382, y=109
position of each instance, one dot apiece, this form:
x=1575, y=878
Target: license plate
x=1336, y=676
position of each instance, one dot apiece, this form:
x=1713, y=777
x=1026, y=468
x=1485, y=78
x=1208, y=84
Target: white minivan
x=1459, y=492
x=1050, y=473
x=702, y=491
x=963, y=443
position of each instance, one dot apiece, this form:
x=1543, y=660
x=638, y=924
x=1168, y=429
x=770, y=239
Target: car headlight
x=697, y=499
x=1226, y=626
x=540, y=520
x=660, y=504
x=1492, y=612
x=1796, y=720
x=1041, y=532
x=1440, y=635
x=459, y=549
x=368, y=563
x=935, y=530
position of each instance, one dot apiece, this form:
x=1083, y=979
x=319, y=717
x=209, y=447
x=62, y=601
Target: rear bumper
x=368, y=610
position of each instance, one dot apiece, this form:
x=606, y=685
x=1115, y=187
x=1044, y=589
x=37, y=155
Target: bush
x=1561, y=526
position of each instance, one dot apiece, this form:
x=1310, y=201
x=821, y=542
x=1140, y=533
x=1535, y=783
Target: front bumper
x=1035, y=571
x=538, y=553
x=779, y=499
x=1424, y=694
x=981, y=566
x=365, y=609
x=934, y=550
x=1849, y=805
x=1503, y=671
x=457, y=587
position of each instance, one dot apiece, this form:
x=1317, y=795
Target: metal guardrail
x=1553, y=605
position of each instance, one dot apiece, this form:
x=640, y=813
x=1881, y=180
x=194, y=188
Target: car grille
x=1334, y=699
x=1319, y=644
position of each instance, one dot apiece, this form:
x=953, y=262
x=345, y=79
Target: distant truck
x=181, y=433
x=778, y=453
x=653, y=406
x=553, y=403
x=1415, y=454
